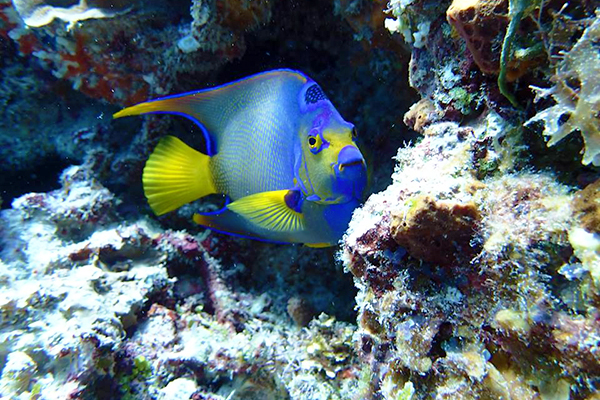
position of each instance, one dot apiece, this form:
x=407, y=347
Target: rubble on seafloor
x=477, y=269
x=89, y=309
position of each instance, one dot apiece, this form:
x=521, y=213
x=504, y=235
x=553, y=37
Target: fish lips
x=350, y=173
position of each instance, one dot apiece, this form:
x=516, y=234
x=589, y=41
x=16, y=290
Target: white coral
x=576, y=109
x=402, y=23
x=38, y=13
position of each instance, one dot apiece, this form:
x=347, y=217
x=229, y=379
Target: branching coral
x=577, y=95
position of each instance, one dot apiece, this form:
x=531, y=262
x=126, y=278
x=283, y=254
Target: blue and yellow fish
x=278, y=149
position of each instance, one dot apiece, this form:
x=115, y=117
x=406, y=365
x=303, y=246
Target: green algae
x=517, y=10
x=141, y=371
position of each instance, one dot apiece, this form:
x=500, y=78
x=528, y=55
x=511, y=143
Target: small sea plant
x=517, y=9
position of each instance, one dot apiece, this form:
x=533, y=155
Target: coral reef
x=458, y=315
x=448, y=84
x=120, y=61
x=475, y=274
x=78, y=286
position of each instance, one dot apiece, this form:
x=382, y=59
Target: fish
x=276, y=147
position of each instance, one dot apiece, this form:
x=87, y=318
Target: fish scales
x=253, y=143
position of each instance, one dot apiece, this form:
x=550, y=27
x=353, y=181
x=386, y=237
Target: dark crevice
x=15, y=183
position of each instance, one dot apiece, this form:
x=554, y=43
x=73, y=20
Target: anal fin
x=230, y=223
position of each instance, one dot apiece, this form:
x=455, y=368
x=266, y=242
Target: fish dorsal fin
x=175, y=174
x=279, y=210
x=213, y=108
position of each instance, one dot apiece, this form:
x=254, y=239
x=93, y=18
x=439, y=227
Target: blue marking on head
x=311, y=97
x=294, y=199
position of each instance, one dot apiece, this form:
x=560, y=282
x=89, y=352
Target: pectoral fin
x=278, y=211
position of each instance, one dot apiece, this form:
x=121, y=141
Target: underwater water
x=333, y=200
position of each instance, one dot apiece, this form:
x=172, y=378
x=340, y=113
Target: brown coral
x=436, y=232
x=421, y=114
x=482, y=24
x=300, y=310
x=586, y=204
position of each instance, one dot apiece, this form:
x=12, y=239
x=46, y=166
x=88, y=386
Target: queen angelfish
x=276, y=146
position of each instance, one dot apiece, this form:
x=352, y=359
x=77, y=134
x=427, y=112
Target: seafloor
x=472, y=271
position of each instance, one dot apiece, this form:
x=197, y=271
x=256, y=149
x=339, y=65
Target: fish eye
x=354, y=133
x=314, y=143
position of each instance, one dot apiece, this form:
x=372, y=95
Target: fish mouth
x=350, y=164
x=350, y=173
x=349, y=156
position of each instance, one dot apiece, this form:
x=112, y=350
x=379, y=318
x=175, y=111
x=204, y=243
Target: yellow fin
x=175, y=174
x=167, y=105
x=318, y=245
x=269, y=210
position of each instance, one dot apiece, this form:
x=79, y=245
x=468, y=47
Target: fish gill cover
x=470, y=271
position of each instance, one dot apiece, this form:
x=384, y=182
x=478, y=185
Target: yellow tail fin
x=175, y=174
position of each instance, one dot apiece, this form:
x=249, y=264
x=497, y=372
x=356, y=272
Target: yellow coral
x=577, y=108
